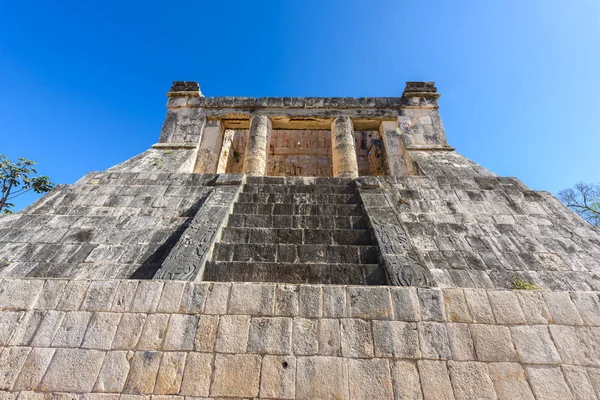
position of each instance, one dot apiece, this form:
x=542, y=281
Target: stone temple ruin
x=310, y=248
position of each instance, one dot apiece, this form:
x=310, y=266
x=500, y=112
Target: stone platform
x=129, y=339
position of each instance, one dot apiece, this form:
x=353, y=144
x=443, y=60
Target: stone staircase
x=297, y=230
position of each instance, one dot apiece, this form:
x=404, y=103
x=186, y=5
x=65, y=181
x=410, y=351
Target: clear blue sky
x=82, y=83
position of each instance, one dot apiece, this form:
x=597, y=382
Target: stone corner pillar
x=209, y=150
x=419, y=119
x=255, y=159
x=183, y=123
x=343, y=148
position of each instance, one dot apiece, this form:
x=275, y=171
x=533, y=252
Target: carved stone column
x=343, y=148
x=255, y=159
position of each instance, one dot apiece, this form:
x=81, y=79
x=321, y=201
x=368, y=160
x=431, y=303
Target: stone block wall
x=135, y=339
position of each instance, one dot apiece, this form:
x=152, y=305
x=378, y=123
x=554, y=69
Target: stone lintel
x=165, y=146
x=430, y=148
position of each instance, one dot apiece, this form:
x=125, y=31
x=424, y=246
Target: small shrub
x=521, y=284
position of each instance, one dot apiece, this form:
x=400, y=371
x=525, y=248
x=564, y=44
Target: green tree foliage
x=17, y=178
x=584, y=199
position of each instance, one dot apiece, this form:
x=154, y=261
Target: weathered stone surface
x=470, y=380
x=73, y=370
x=310, y=300
x=170, y=299
x=101, y=331
x=479, y=305
x=534, y=307
x=142, y=375
x=510, y=381
x=9, y=321
x=334, y=302
x=34, y=368
x=434, y=340
x=278, y=377
x=548, y=383
x=369, y=379
x=236, y=375
x=578, y=381
x=270, y=335
x=99, y=296
x=28, y=324
x=406, y=304
x=461, y=343
x=11, y=362
x=129, y=331
x=322, y=378
x=369, y=303
x=396, y=339
x=206, y=333
x=435, y=380
x=124, y=296
x=51, y=294
x=181, y=332
x=170, y=373
x=286, y=300
x=562, y=310
x=19, y=294
x=588, y=305
x=154, y=332
x=456, y=305
x=493, y=343
x=147, y=296
x=506, y=307
x=252, y=299
x=72, y=329
x=232, y=336
x=114, y=371
x=305, y=340
x=196, y=377
x=405, y=380
x=534, y=345
x=357, y=340
x=74, y=295
x=431, y=305
x=217, y=298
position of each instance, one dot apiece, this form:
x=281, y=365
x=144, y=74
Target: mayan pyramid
x=310, y=248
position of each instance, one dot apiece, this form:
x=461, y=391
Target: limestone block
x=9, y=320
x=72, y=329
x=181, y=332
x=154, y=332
x=396, y=339
x=321, y=378
x=196, y=377
x=569, y=345
x=329, y=336
x=435, y=380
x=534, y=345
x=369, y=379
x=252, y=299
x=431, y=305
x=405, y=380
x=73, y=370
x=73, y=295
x=506, y=307
x=406, y=304
x=534, y=307
x=147, y=296
x=357, y=340
x=278, y=377
x=129, y=331
x=369, y=303
x=114, y=371
x=305, y=340
x=142, y=374
x=124, y=295
x=232, y=336
x=25, y=395
x=236, y=375
x=455, y=305
x=434, y=340
x=588, y=305
x=101, y=331
x=461, y=343
x=286, y=300
x=471, y=380
x=28, y=324
x=493, y=343
x=562, y=310
x=270, y=335
x=170, y=299
x=310, y=301
x=206, y=333
x=34, y=368
x=99, y=296
x=12, y=360
x=510, y=381
x=578, y=381
x=194, y=297
x=19, y=294
x=548, y=383
x=51, y=294
x=334, y=301
x=217, y=297
x=170, y=374
x=594, y=377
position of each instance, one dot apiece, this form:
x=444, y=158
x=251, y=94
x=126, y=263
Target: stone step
x=298, y=209
x=297, y=221
x=337, y=274
x=292, y=253
x=316, y=189
x=359, y=237
x=297, y=180
x=299, y=198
